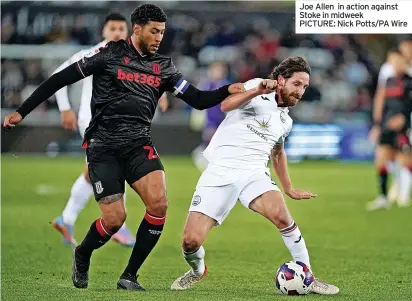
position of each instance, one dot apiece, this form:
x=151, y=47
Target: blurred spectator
x=34, y=76
x=80, y=34
x=355, y=72
x=57, y=34
x=269, y=44
x=217, y=76
x=336, y=93
x=8, y=30
x=362, y=102
x=336, y=44
x=12, y=81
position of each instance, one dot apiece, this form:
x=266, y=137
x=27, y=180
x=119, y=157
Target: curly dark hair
x=148, y=12
x=290, y=65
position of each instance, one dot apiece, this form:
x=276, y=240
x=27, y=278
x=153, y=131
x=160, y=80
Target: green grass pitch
x=368, y=255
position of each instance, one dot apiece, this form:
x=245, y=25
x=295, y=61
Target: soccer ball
x=294, y=278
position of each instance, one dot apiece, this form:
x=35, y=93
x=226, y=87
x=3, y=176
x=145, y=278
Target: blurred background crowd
x=246, y=39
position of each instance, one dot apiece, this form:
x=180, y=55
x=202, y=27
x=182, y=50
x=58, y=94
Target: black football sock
x=383, y=181
x=146, y=238
x=97, y=236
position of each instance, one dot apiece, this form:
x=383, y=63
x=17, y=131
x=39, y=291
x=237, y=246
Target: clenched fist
x=267, y=86
x=12, y=119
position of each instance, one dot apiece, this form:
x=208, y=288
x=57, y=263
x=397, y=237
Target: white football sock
x=397, y=172
x=391, y=166
x=404, y=183
x=295, y=243
x=80, y=194
x=196, y=260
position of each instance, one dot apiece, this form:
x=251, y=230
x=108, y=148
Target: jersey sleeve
x=250, y=84
x=94, y=61
x=175, y=82
x=253, y=83
x=282, y=139
x=385, y=72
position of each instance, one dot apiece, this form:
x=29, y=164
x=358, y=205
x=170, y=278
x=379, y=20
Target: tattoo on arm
x=111, y=198
x=277, y=149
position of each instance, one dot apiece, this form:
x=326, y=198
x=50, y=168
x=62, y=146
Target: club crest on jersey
x=99, y=187
x=282, y=117
x=196, y=200
x=126, y=60
x=156, y=68
x=264, y=125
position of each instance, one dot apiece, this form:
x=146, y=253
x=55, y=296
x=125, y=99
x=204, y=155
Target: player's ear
x=137, y=29
x=281, y=80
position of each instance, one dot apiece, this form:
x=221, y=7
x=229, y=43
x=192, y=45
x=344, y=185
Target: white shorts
x=219, y=188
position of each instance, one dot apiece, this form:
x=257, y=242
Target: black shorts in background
x=388, y=138
x=111, y=166
x=397, y=140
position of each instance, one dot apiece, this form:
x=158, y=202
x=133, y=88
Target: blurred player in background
x=394, y=142
x=400, y=177
x=253, y=131
x=114, y=29
x=217, y=77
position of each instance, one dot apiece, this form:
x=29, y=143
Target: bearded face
x=292, y=89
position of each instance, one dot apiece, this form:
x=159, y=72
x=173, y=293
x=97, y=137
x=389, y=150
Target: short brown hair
x=290, y=65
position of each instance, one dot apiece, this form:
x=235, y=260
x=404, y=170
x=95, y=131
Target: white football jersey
x=387, y=71
x=62, y=97
x=248, y=134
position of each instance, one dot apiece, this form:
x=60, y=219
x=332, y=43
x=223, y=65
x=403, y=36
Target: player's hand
x=163, y=104
x=267, y=86
x=69, y=120
x=298, y=194
x=374, y=134
x=236, y=88
x=12, y=119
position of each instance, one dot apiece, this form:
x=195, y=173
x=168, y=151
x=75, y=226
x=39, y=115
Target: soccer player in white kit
x=114, y=29
x=253, y=131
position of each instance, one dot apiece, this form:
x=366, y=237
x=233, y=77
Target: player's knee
x=157, y=205
x=114, y=217
x=280, y=217
x=115, y=222
x=190, y=242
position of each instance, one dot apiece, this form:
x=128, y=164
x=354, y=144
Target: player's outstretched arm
x=237, y=100
x=201, y=100
x=280, y=165
x=63, y=78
